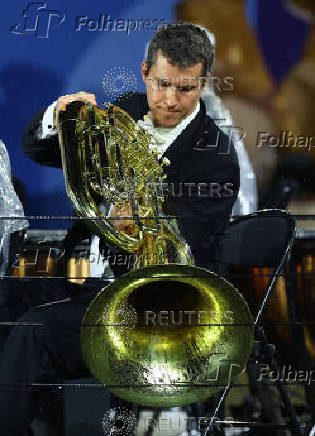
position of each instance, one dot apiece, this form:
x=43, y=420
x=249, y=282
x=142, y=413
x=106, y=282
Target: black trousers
x=43, y=346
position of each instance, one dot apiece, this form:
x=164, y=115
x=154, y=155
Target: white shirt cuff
x=48, y=127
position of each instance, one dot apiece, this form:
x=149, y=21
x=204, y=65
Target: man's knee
x=34, y=316
x=34, y=324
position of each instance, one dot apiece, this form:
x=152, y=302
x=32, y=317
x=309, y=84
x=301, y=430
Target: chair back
x=260, y=239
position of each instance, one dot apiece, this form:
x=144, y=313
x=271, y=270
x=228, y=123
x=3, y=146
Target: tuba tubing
x=105, y=154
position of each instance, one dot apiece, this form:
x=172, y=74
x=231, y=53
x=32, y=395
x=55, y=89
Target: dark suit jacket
x=205, y=179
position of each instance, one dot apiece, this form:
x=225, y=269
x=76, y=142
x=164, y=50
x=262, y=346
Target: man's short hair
x=183, y=44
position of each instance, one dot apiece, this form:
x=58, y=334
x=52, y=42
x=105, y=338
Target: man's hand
x=125, y=225
x=65, y=99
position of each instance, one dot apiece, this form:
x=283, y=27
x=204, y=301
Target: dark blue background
x=35, y=71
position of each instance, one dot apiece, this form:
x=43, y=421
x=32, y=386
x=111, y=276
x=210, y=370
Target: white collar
x=163, y=137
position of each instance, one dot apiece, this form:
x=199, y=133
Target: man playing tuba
x=202, y=184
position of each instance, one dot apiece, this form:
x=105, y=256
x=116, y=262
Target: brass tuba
x=167, y=333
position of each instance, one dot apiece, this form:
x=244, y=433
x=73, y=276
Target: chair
x=263, y=239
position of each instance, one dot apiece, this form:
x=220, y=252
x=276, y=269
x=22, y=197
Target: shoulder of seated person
x=134, y=103
x=216, y=136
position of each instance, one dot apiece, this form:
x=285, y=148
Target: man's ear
x=144, y=71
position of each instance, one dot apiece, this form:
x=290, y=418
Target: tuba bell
x=167, y=333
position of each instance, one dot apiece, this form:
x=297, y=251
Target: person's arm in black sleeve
x=40, y=139
x=205, y=213
x=42, y=148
